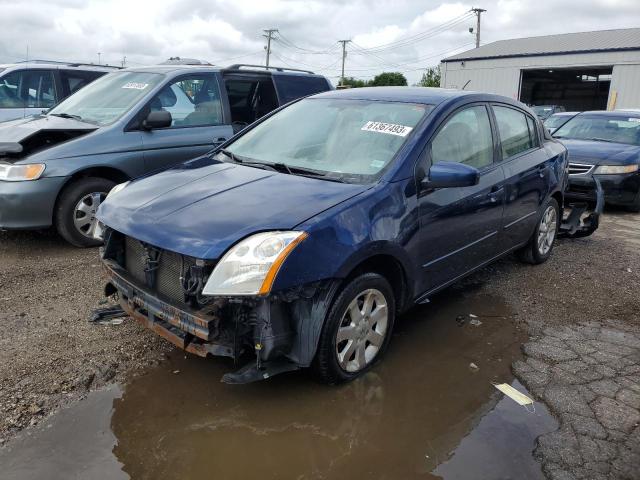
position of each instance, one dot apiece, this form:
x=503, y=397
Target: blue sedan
x=298, y=242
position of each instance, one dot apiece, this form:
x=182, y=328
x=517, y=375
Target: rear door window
x=74, y=80
x=250, y=98
x=291, y=87
x=515, y=135
x=27, y=89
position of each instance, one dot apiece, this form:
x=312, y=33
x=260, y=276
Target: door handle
x=541, y=170
x=219, y=141
x=496, y=192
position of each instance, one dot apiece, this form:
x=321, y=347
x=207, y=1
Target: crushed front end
x=163, y=291
x=581, y=215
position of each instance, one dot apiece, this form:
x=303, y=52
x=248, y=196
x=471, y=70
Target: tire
x=69, y=215
x=533, y=252
x=332, y=367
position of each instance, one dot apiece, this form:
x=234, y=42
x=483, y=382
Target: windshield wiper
x=66, y=115
x=597, y=139
x=234, y=158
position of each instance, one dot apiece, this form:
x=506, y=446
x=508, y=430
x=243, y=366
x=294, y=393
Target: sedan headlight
x=20, y=172
x=251, y=266
x=117, y=188
x=616, y=169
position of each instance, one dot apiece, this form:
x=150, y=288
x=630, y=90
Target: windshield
x=353, y=140
x=108, y=98
x=543, y=111
x=618, y=129
x=554, y=121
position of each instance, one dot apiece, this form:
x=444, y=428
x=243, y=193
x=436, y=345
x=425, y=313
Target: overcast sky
x=230, y=31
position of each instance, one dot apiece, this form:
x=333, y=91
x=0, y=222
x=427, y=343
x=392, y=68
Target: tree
x=430, y=78
x=354, y=83
x=389, y=79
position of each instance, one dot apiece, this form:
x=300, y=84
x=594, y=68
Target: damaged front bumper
x=273, y=334
x=578, y=219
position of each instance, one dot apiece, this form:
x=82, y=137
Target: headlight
x=251, y=266
x=20, y=173
x=117, y=188
x=616, y=169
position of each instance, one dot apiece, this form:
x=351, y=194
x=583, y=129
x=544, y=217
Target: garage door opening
x=580, y=89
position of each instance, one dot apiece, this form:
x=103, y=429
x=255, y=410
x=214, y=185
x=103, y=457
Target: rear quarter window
x=291, y=87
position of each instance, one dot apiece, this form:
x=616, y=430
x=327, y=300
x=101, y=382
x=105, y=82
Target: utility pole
x=269, y=36
x=124, y=61
x=344, y=56
x=478, y=12
x=99, y=54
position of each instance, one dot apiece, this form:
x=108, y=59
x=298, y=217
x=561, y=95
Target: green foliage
x=388, y=79
x=430, y=78
x=355, y=83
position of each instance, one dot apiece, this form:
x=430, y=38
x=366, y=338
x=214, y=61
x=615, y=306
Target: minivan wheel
x=356, y=330
x=76, y=209
x=539, y=248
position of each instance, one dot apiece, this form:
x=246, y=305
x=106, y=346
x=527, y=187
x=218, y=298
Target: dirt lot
x=580, y=310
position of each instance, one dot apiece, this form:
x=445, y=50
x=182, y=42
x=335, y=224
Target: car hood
x=592, y=152
x=22, y=137
x=202, y=207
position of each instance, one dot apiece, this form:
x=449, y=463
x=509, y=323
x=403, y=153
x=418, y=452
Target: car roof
x=39, y=64
x=425, y=95
x=613, y=113
x=565, y=114
x=177, y=69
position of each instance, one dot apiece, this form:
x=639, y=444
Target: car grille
x=579, y=168
x=168, y=276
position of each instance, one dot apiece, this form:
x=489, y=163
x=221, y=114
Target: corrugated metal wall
x=626, y=83
x=502, y=76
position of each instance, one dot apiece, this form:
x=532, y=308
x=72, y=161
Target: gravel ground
x=580, y=309
x=50, y=354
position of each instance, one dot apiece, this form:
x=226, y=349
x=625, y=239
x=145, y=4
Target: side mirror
x=157, y=119
x=450, y=174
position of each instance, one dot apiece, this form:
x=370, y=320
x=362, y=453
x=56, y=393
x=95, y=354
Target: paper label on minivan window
x=135, y=85
x=390, y=128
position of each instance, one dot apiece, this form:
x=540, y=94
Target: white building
x=580, y=71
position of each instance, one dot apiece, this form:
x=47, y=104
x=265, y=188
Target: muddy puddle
x=422, y=413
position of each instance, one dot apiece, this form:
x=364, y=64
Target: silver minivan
x=28, y=88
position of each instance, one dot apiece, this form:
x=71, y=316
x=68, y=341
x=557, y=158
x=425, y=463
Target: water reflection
x=400, y=421
x=422, y=413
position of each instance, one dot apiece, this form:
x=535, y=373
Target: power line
x=421, y=36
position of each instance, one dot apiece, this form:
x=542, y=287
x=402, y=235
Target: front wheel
x=356, y=330
x=540, y=245
x=76, y=210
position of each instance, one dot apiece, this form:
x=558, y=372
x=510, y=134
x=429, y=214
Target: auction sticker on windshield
x=135, y=85
x=390, y=128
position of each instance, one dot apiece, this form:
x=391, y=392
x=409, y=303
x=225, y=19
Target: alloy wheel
x=362, y=330
x=547, y=230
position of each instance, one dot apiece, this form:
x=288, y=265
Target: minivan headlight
x=616, y=169
x=251, y=266
x=117, y=188
x=21, y=172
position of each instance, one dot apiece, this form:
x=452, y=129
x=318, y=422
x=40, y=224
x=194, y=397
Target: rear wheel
x=540, y=245
x=357, y=329
x=76, y=210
